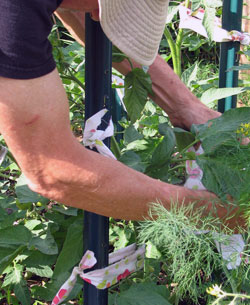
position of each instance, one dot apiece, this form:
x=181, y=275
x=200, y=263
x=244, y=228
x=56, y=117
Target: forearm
x=89, y=181
x=37, y=130
x=169, y=91
x=171, y=94
x=181, y=105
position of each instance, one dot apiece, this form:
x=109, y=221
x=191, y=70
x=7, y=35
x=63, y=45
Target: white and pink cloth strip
x=193, y=21
x=122, y=263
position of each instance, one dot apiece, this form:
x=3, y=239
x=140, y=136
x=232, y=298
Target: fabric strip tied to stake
x=122, y=263
x=230, y=247
x=193, y=21
x=93, y=137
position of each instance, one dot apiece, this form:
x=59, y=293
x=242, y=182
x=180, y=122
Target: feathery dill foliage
x=190, y=258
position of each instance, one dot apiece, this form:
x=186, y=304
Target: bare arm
x=183, y=108
x=36, y=127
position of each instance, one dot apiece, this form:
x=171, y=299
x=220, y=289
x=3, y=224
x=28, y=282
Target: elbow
x=64, y=184
x=65, y=179
x=45, y=184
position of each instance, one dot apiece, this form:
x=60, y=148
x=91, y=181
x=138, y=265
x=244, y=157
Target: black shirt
x=25, y=51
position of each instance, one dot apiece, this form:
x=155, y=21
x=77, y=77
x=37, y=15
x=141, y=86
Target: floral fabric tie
x=94, y=138
x=194, y=172
x=230, y=247
x=122, y=263
x=193, y=21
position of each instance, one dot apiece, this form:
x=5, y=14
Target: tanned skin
x=37, y=130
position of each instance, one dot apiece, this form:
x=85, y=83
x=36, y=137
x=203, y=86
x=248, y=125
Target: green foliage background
x=37, y=236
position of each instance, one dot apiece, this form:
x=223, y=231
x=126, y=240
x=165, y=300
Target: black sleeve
x=25, y=51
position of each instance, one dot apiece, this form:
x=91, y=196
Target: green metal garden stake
x=231, y=20
x=98, y=96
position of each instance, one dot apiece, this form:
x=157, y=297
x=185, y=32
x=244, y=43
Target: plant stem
x=180, y=160
x=176, y=167
x=8, y=296
x=185, y=149
x=231, y=281
x=73, y=79
x=178, y=52
x=115, y=147
x=130, y=62
x=125, y=57
x=173, y=49
x=179, y=40
x=9, y=154
x=76, y=80
x=4, y=176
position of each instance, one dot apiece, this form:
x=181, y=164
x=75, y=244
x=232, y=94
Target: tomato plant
x=37, y=235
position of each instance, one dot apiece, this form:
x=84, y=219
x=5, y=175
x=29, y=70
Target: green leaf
x=69, y=256
x=223, y=177
x=208, y=21
x=214, y=94
x=225, y=162
x=131, y=135
x=163, y=129
x=149, y=132
x=47, y=293
x=144, y=294
x=196, y=4
x=7, y=202
x=151, y=121
x=152, y=267
x=131, y=159
x=159, y=172
x=164, y=150
x=138, y=85
x=183, y=138
x=190, y=75
x=42, y=271
x=15, y=235
x=46, y=243
x=222, y=129
x=159, y=166
x=72, y=250
x=137, y=145
x=117, y=54
x=70, y=211
x=5, y=251
x=22, y=293
x=172, y=11
x=14, y=276
x=122, y=241
x=152, y=251
x=25, y=194
x=6, y=261
x=239, y=68
x=112, y=298
x=5, y=219
x=32, y=223
x=37, y=258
